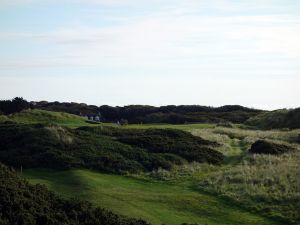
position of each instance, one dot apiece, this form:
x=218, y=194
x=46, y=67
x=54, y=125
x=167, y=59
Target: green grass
x=33, y=116
x=266, y=183
x=3, y=118
x=185, y=127
x=151, y=200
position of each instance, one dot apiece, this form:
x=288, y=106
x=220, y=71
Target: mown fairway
x=153, y=201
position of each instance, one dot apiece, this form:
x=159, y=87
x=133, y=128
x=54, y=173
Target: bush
x=267, y=147
x=107, y=149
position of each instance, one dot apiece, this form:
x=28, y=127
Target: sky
x=158, y=52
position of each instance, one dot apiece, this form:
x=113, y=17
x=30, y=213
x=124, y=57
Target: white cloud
x=163, y=40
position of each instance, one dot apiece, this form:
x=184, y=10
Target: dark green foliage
x=276, y=119
x=150, y=114
x=292, y=119
x=176, y=142
x=266, y=147
x=25, y=204
x=108, y=149
x=13, y=106
x=166, y=141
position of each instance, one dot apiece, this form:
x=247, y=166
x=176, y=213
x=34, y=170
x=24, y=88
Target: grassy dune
x=153, y=201
x=47, y=117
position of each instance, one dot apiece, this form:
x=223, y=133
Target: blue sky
x=157, y=52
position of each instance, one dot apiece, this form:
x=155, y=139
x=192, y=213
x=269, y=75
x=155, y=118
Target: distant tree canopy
x=12, y=106
x=151, y=114
x=139, y=113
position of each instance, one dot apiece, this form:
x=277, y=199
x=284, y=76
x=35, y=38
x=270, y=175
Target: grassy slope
x=42, y=116
x=70, y=120
x=281, y=118
x=269, y=184
x=156, y=202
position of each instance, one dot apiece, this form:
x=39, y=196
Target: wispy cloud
x=164, y=40
x=148, y=42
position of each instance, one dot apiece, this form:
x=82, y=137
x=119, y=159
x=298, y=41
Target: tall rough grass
x=267, y=183
x=283, y=135
x=182, y=171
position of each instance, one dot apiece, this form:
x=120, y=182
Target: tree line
x=139, y=113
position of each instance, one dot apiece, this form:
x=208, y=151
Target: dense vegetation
x=262, y=183
x=168, y=143
x=25, y=204
x=266, y=183
x=276, y=119
x=57, y=147
x=139, y=113
x=12, y=106
x=267, y=147
x=150, y=114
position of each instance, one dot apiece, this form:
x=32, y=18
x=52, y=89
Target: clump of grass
x=267, y=183
x=4, y=118
x=193, y=169
x=283, y=135
x=222, y=139
x=60, y=134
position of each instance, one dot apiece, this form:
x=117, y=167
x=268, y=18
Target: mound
x=165, y=141
x=175, y=142
x=266, y=147
x=22, y=203
x=276, y=119
x=33, y=146
x=47, y=117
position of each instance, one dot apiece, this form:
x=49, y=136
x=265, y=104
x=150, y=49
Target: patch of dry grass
x=267, y=183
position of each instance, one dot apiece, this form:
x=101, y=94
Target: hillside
x=155, y=201
x=34, y=116
x=276, y=119
x=22, y=203
x=36, y=145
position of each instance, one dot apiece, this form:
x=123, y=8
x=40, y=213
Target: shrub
x=107, y=149
x=267, y=147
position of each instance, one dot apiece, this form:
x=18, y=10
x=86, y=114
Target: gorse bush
x=169, y=143
x=25, y=204
x=113, y=150
x=267, y=147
